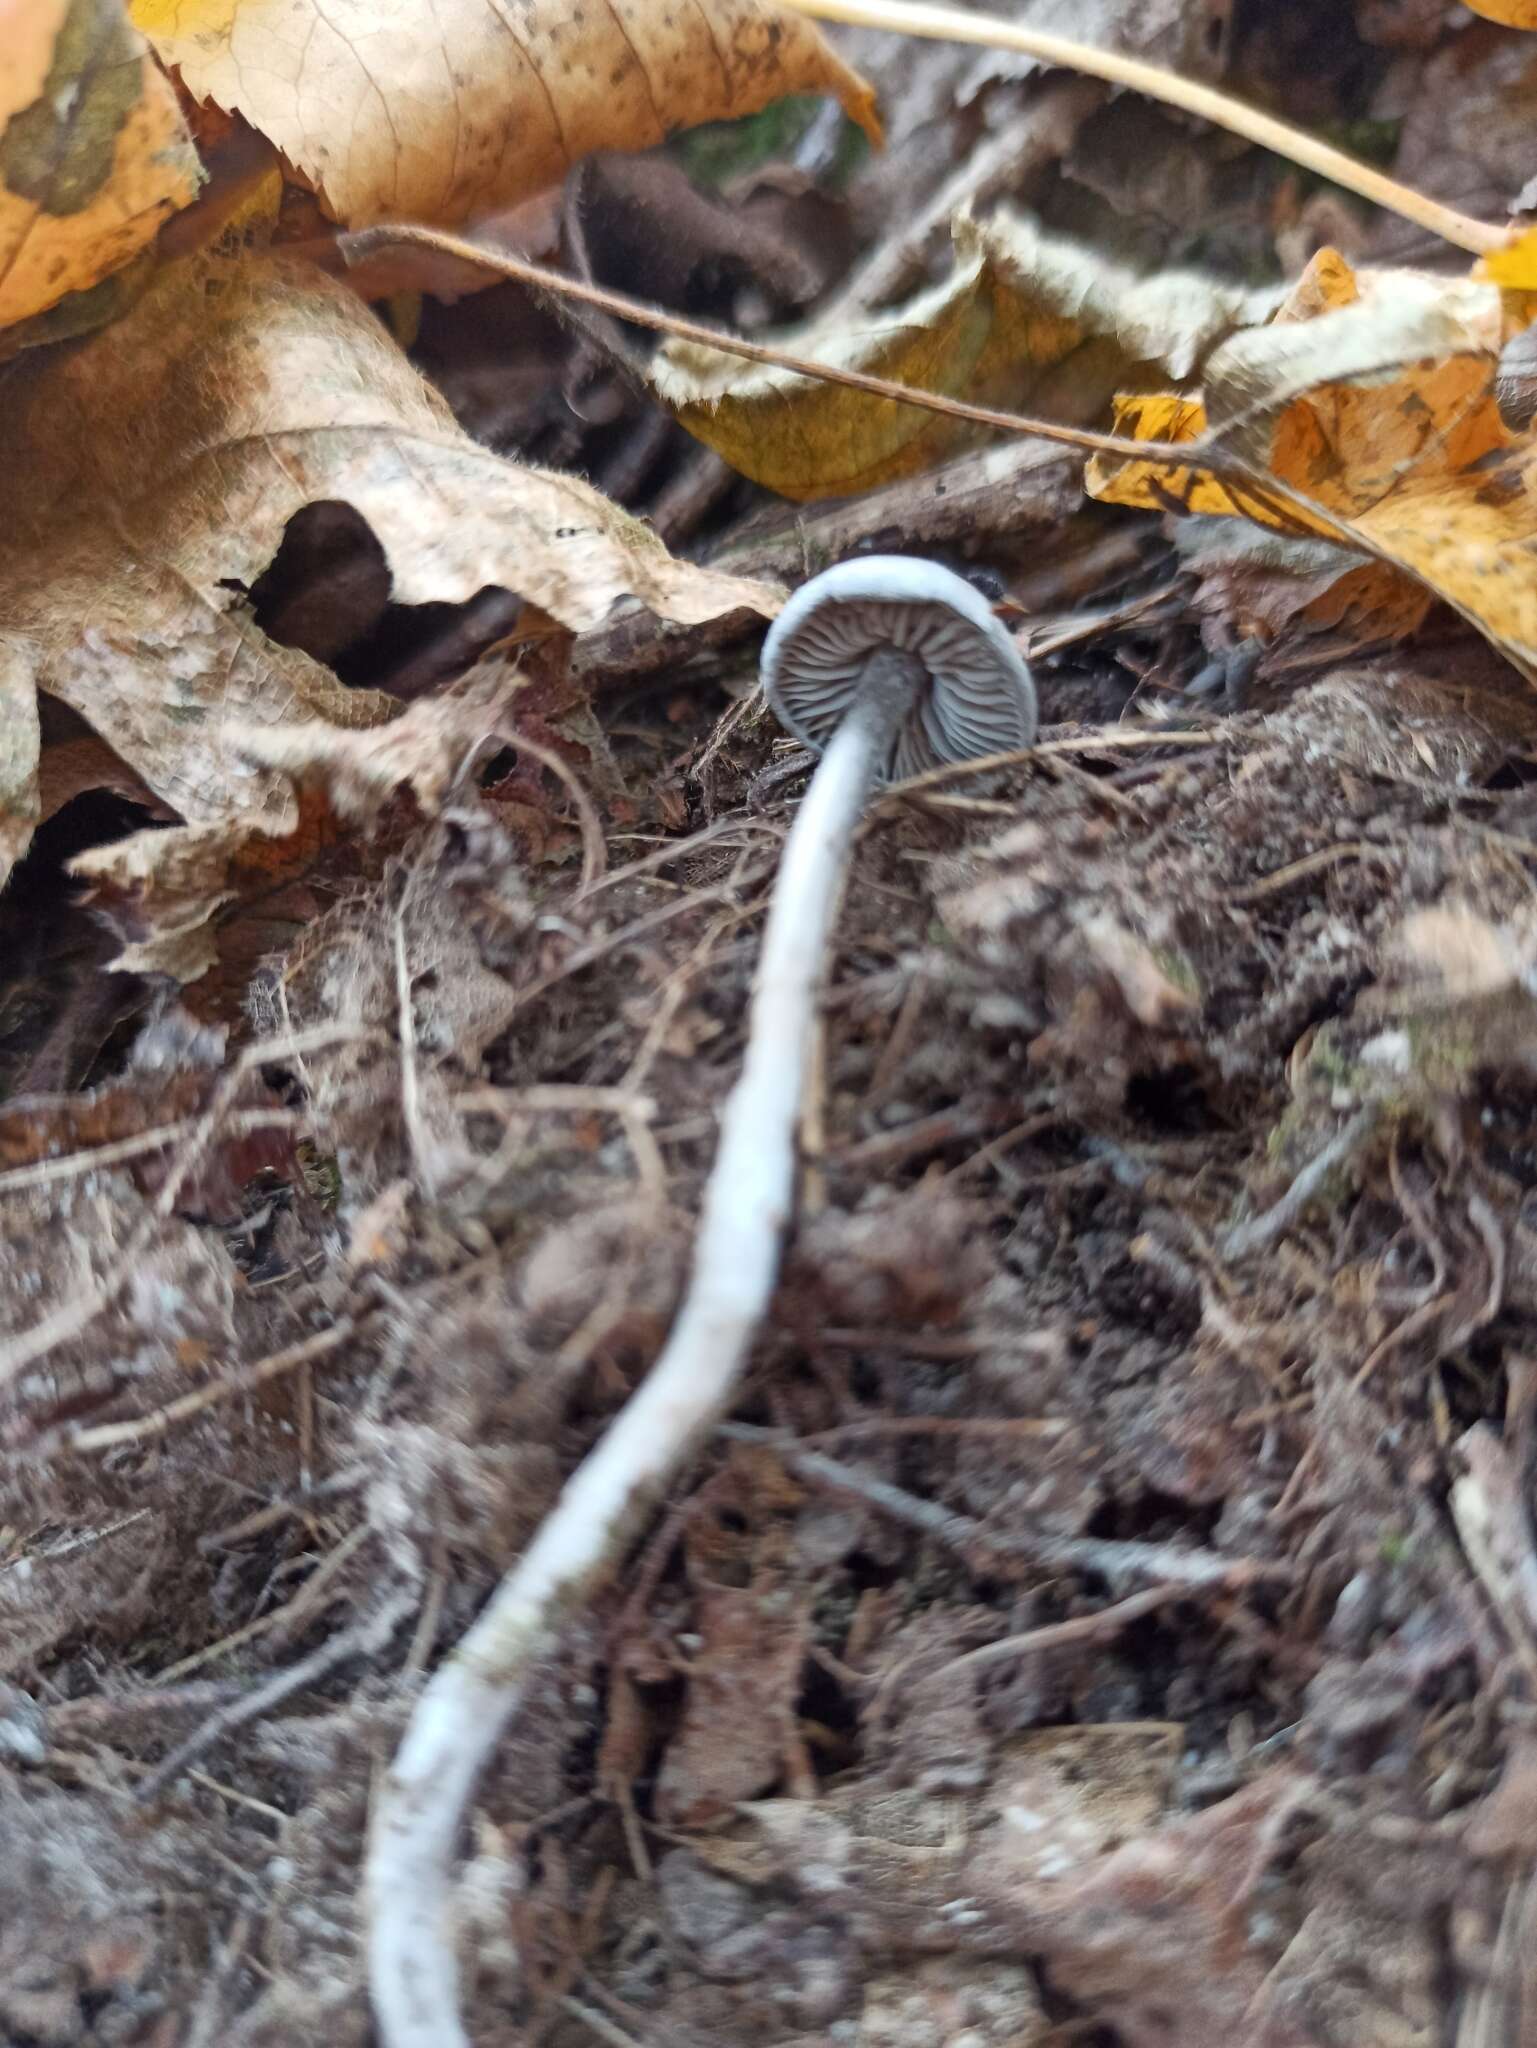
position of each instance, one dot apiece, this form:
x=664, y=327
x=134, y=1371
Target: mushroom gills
x=975, y=698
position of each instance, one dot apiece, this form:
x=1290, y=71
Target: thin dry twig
x=89, y=1160
x=950, y=25
x=1096, y=740
x=594, y=847
x=1208, y=451
x=305, y=1601
x=1113, y=1557
x=1083, y=1628
x=367, y=242
x=410, y=1078
x=366, y=1639
x=103, y=1436
x=1299, y=870
x=1260, y=1232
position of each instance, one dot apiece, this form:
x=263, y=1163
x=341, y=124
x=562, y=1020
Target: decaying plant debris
x=1109, y=1614
x=1081, y=1594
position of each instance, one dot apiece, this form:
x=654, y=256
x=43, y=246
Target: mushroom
x=906, y=651
x=889, y=665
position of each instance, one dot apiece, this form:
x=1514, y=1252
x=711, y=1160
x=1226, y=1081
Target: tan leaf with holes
x=94, y=155
x=154, y=470
x=437, y=112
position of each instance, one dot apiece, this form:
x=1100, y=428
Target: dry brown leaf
x=435, y=113
x=1027, y=320
x=1355, y=387
x=422, y=750
x=162, y=889
x=1152, y=997
x=153, y=472
x=94, y=155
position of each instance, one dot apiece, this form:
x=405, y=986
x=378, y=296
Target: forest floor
x=1109, y=1616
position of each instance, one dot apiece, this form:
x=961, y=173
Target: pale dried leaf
x=422, y=750
x=153, y=474
x=1152, y=997
x=1026, y=320
x=19, y=744
x=176, y=882
x=94, y=155
x=434, y=113
x=1463, y=950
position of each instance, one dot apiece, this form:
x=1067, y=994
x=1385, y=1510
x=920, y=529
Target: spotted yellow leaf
x=94, y=155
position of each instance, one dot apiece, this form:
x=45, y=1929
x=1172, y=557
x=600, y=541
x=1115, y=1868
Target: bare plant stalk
x=950, y=25
x=472, y=1695
x=1206, y=451
x=363, y=243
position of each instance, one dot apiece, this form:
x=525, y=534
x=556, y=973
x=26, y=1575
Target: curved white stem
x=474, y=1692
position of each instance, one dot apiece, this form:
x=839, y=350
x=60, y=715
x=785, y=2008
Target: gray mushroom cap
x=979, y=698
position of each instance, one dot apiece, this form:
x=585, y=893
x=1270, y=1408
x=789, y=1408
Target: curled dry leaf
x=1026, y=319
x=152, y=474
x=422, y=750
x=94, y=155
x=1382, y=413
x=161, y=889
x=433, y=113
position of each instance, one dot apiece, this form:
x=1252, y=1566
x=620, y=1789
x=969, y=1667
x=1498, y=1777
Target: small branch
x=1114, y=1558
x=1103, y=1626
x=1206, y=452
x=410, y=1080
x=104, y=1436
x=361, y=1641
x=950, y=25
x=1260, y=1232
x=366, y=242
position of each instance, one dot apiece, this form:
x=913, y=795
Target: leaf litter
x=1107, y=1614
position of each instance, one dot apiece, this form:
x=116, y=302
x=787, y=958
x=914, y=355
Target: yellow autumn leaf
x=1514, y=13
x=94, y=155
x=152, y=473
x=1368, y=600
x=1026, y=320
x=435, y=112
x=1472, y=538
x=1382, y=415
x=1391, y=380
x=1513, y=268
